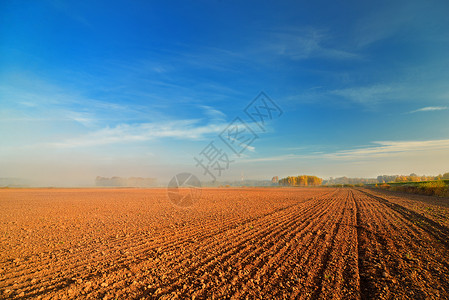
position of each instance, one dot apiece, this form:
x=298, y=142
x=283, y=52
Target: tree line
x=410, y=178
x=301, y=180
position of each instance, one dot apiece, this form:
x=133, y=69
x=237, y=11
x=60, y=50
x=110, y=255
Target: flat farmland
x=255, y=243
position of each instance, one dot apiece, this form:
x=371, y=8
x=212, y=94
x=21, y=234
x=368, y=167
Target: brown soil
x=262, y=243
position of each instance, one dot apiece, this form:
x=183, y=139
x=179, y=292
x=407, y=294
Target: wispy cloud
x=389, y=148
x=394, y=19
x=429, y=108
x=368, y=94
x=181, y=129
x=379, y=149
x=273, y=158
x=382, y=24
x=212, y=113
x=28, y=98
x=299, y=44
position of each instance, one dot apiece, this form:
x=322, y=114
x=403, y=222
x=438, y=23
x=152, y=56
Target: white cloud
x=390, y=148
x=181, y=129
x=368, y=94
x=212, y=113
x=272, y=158
x=380, y=149
x=251, y=148
x=429, y=108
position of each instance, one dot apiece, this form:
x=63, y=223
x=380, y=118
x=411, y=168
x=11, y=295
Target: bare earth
x=233, y=243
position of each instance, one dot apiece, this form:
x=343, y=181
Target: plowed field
x=232, y=243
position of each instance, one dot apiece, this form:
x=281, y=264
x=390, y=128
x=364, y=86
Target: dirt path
x=234, y=243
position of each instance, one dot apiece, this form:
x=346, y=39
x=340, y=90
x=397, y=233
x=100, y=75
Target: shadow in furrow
x=438, y=231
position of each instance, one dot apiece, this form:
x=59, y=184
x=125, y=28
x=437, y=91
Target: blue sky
x=140, y=88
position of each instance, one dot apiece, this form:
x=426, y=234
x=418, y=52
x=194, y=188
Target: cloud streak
x=181, y=129
x=429, y=108
x=378, y=149
x=212, y=113
x=368, y=94
x=300, y=44
x=390, y=148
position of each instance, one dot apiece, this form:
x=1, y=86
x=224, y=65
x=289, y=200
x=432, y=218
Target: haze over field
x=139, y=89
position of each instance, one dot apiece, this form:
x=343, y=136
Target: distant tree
x=414, y=178
x=301, y=180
